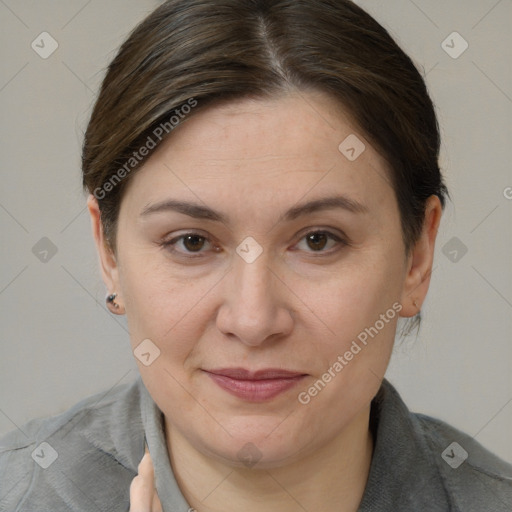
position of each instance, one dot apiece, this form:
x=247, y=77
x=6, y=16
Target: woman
x=265, y=195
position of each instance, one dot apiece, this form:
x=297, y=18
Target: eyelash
x=169, y=244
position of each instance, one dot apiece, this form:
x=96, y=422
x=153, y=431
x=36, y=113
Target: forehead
x=290, y=125
x=285, y=148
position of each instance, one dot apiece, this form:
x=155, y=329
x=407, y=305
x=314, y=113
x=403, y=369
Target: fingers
x=141, y=488
x=157, y=506
x=143, y=496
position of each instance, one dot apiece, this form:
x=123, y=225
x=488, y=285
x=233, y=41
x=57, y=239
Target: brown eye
x=321, y=242
x=190, y=245
x=193, y=243
x=317, y=241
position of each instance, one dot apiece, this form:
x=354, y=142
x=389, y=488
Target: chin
x=255, y=443
x=243, y=453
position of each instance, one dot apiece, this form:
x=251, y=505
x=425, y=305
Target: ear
x=107, y=258
x=420, y=260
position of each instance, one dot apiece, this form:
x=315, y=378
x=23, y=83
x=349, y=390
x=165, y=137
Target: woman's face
x=253, y=289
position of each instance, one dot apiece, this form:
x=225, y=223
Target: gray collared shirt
x=84, y=460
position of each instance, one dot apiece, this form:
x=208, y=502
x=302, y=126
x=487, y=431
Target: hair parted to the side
x=230, y=49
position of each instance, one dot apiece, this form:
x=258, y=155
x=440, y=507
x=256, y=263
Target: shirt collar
x=402, y=474
x=166, y=486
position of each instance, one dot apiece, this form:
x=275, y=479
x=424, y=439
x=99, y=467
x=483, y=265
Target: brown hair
x=189, y=54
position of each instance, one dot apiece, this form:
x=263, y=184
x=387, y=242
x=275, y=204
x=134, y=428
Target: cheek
x=362, y=327
x=360, y=306
x=355, y=294
x=163, y=306
x=174, y=309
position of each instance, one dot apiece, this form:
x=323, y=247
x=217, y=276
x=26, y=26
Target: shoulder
x=423, y=463
x=474, y=477
x=77, y=459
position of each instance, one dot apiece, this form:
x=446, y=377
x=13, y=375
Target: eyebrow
x=199, y=211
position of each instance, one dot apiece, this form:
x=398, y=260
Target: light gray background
x=58, y=343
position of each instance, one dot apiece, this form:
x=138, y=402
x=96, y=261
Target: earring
x=112, y=305
x=111, y=299
x=415, y=303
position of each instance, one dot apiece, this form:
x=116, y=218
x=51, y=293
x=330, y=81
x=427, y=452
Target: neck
x=333, y=478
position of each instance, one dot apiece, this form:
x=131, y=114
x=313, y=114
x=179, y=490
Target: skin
x=143, y=496
x=298, y=306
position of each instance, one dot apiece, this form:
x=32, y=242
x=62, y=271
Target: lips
x=255, y=386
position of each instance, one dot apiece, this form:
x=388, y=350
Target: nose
x=255, y=306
